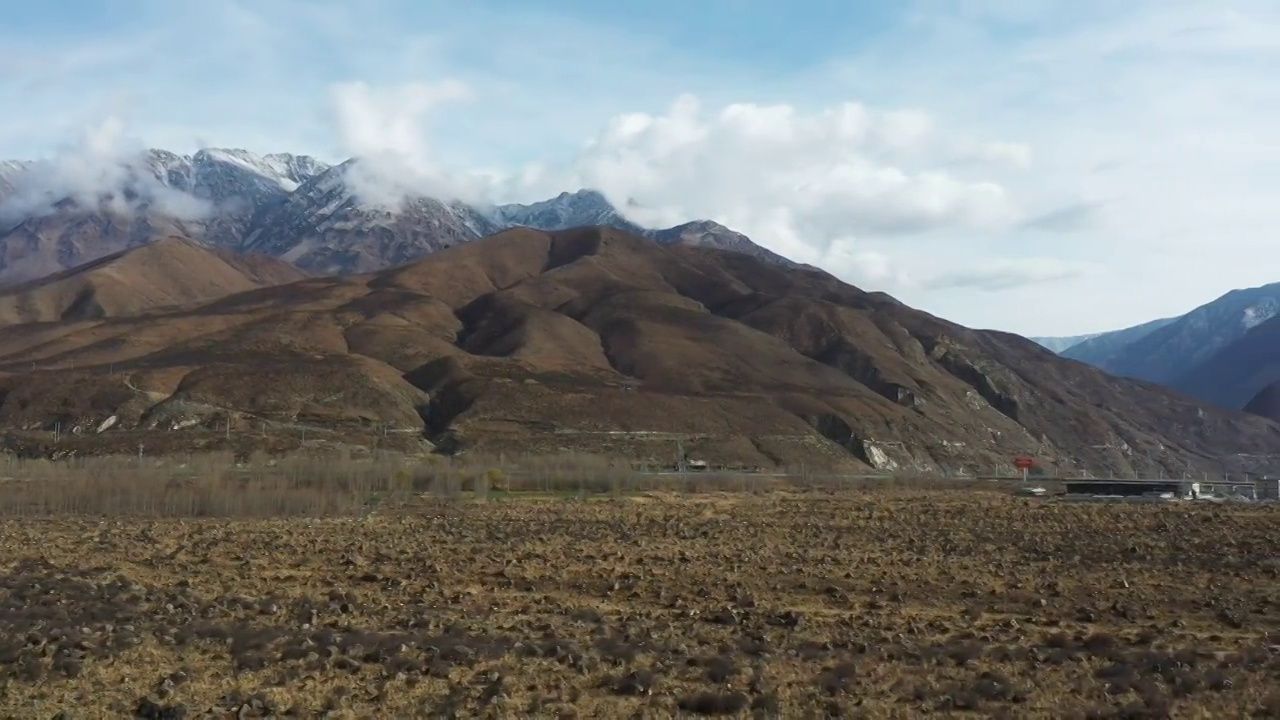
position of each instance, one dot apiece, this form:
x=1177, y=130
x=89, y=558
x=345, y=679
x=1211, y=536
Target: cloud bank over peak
x=105, y=169
x=800, y=181
x=845, y=170
x=388, y=129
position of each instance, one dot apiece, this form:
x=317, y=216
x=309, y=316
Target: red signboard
x=1023, y=463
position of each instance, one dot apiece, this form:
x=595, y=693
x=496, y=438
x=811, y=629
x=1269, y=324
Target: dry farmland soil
x=800, y=604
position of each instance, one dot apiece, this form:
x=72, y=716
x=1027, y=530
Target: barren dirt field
x=791, y=604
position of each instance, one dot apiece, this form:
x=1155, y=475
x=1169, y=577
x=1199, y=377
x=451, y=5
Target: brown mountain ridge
x=168, y=272
x=596, y=340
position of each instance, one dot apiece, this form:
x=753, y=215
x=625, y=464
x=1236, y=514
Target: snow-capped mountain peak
x=283, y=170
x=325, y=219
x=233, y=177
x=247, y=162
x=325, y=226
x=298, y=168
x=566, y=210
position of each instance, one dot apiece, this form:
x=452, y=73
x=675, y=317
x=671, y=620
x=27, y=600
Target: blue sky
x=1039, y=166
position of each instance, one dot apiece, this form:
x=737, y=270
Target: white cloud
x=798, y=181
x=388, y=130
x=1150, y=123
x=1000, y=274
x=846, y=167
x=872, y=268
x=390, y=122
x=105, y=169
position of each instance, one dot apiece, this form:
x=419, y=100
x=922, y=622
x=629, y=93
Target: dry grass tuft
x=337, y=484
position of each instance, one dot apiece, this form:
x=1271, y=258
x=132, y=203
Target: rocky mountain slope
x=600, y=341
x=47, y=244
x=704, y=233
x=55, y=217
x=567, y=210
x=9, y=172
x=1266, y=402
x=1101, y=349
x=166, y=273
x=1239, y=374
x=327, y=229
x=1165, y=350
x=587, y=208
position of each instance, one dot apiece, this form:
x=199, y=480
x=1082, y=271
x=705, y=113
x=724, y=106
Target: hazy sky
x=1037, y=166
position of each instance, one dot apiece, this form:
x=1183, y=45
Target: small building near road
x=1170, y=490
x=1139, y=490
